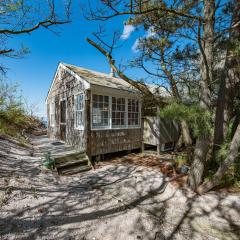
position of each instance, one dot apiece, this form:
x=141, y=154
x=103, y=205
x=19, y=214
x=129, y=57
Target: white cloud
x=127, y=30
x=150, y=32
x=135, y=45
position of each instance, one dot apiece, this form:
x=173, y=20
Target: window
x=118, y=112
x=133, y=112
x=52, y=113
x=114, y=112
x=79, y=111
x=100, y=111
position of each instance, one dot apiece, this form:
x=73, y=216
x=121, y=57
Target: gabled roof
x=101, y=79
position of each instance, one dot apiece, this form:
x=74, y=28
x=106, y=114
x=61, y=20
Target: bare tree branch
x=45, y=24
x=137, y=10
x=5, y=51
x=140, y=86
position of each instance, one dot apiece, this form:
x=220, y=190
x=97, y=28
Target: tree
x=227, y=108
x=171, y=66
x=202, y=25
x=24, y=17
x=232, y=156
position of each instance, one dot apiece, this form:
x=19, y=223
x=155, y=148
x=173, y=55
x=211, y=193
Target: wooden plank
x=88, y=124
x=109, y=141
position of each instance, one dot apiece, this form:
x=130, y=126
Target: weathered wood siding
x=108, y=141
x=157, y=131
x=94, y=142
x=65, y=87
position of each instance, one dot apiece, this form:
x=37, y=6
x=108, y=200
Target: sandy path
x=117, y=201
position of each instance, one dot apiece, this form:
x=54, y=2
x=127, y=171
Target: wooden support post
x=142, y=147
x=88, y=126
x=158, y=149
x=98, y=158
x=142, y=135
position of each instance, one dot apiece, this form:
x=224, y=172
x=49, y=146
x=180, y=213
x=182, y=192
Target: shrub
x=14, y=120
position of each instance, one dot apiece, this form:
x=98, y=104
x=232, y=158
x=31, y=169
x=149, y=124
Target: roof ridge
x=93, y=71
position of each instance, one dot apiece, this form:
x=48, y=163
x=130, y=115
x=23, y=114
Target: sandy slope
x=117, y=201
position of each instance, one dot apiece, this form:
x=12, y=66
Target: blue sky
x=35, y=71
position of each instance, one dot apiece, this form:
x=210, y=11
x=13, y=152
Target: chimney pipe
x=112, y=72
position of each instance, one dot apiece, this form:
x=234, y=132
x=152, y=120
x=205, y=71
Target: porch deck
x=68, y=160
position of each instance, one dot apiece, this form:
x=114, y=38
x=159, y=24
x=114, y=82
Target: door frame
x=63, y=124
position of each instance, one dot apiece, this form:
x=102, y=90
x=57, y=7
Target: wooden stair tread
x=73, y=170
x=83, y=161
x=69, y=157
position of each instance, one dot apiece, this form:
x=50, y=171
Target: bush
x=14, y=120
x=196, y=117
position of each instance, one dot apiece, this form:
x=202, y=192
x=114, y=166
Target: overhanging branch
x=5, y=51
x=141, y=10
x=139, y=86
x=45, y=24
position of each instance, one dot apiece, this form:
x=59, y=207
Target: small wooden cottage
x=95, y=112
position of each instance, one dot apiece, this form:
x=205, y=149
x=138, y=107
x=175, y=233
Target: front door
x=63, y=120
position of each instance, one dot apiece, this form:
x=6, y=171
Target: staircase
x=72, y=163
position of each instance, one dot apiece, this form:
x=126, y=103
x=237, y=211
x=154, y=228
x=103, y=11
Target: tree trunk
x=206, y=72
x=184, y=137
x=229, y=90
x=187, y=140
x=228, y=85
x=232, y=156
x=222, y=114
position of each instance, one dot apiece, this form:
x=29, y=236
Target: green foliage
x=197, y=118
x=222, y=153
x=49, y=161
x=237, y=48
x=181, y=159
x=5, y=195
x=13, y=118
x=34, y=192
x=232, y=176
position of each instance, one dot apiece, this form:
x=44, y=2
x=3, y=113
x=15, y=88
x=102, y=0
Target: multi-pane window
x=133, y=112
x=100, y=111
x=79, y=111
x=52, y=113
x=118, y=112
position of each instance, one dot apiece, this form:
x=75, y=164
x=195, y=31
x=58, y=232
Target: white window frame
x=95, y=128
x=82, y=111
x=135, y=112
x=52, y=114
x=120, y=112
x=109, y=112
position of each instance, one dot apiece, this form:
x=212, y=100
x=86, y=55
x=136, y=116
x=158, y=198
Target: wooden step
x=74, y=169
x=69, y=157
x=78, y=162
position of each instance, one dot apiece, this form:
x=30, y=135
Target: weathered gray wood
x=88, y=124
x=93, y=142
x=157, y=131
x=158, y=149
x=109, y=141
x=66, y=86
